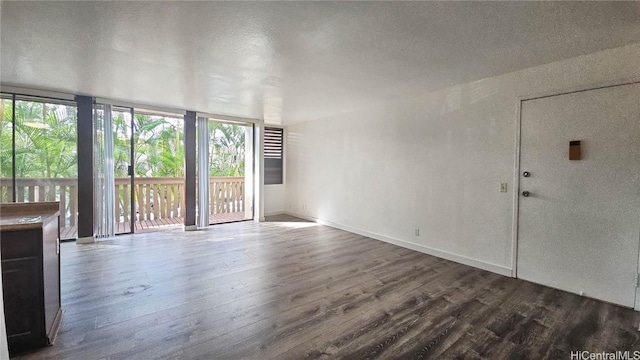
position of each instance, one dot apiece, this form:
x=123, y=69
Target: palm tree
x=6, y=135
x=226, y=152
x=45, y=140
x=159, y=151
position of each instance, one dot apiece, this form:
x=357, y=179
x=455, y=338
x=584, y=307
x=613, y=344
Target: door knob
x=526, y=174
x=525, y=193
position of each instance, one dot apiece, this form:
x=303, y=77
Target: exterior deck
x=156, y=203
x=71, y=232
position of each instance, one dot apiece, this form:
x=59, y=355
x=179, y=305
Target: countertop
x=13, y=222
x=13, y=215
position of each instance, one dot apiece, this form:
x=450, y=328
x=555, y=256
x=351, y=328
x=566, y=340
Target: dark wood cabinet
x=30, y=253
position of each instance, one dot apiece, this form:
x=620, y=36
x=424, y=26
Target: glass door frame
x=55, y=191
x=131, y=173
x=251, y=125
x=159, y=207
x=130, y=167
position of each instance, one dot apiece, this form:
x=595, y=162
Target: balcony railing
x=157, y=201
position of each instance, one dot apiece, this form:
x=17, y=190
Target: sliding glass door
x=38, y=155
x=139, y=162
x=226, y=154
x=113, y=208
x=139, y=182
x=159, y=169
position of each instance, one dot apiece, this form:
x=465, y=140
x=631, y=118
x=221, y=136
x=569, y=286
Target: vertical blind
x=104, y=172
x=273, y=155
x=203, y=171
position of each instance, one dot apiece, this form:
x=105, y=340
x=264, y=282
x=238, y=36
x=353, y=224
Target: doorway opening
x=225, y=171
x=139, y=163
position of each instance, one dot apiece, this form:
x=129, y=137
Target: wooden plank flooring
x=289, y=289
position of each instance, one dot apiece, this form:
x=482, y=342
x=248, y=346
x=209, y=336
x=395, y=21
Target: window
x=273, y=156
x=38, y=156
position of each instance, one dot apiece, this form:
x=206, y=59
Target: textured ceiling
x=295, y=61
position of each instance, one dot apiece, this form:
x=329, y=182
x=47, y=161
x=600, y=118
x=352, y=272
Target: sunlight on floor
x=294, y=224
x=220, y=239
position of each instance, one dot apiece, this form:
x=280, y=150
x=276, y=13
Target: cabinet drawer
x=19, y=244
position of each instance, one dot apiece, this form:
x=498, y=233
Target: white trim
x=232, y=119
x=580, y=88
x=516, y=195
x=37, y=93
x=274, y=213
x=86, y=240
x=139, y=106
x=258, y=172
x=498, y=269
x=189, y=228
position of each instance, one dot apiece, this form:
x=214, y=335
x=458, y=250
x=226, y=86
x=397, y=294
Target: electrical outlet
x=417, y=232
x=503, y=187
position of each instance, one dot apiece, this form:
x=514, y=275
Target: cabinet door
x=51, y=275
x=23, y=315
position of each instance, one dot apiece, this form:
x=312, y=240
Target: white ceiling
x=294, y=61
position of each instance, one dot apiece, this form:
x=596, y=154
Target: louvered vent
x=273, y=156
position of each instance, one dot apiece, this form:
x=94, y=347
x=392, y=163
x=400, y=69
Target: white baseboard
x=274, y=213
x=498, y=269
x=189, y=228
x=85, y=240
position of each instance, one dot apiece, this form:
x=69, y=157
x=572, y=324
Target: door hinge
x=130, y=170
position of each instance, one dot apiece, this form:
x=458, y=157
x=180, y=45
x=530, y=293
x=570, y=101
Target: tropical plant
x=226, y=150
x=45, y=143
x=6, y=136
x=45, y=140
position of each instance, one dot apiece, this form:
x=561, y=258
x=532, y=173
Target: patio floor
x=71, y=232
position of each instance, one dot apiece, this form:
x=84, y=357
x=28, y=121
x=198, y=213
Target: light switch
x=503, y=187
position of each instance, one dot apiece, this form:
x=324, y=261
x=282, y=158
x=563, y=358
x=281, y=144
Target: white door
x=579, y=226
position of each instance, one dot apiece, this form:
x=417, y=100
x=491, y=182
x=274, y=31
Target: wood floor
x=296, y=290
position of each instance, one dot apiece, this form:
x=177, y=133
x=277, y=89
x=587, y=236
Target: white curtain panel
x=104, y=173
x=203, y=171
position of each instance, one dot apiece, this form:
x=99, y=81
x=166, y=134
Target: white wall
x=274, y=199
x=433, y=162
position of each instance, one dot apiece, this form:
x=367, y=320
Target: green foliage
x=45, y=139
x=6, y=131
x=158, y=145
x=226, y=149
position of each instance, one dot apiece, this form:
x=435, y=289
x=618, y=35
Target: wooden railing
x=226, y=195
x=64, y=190
x=154, y=198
